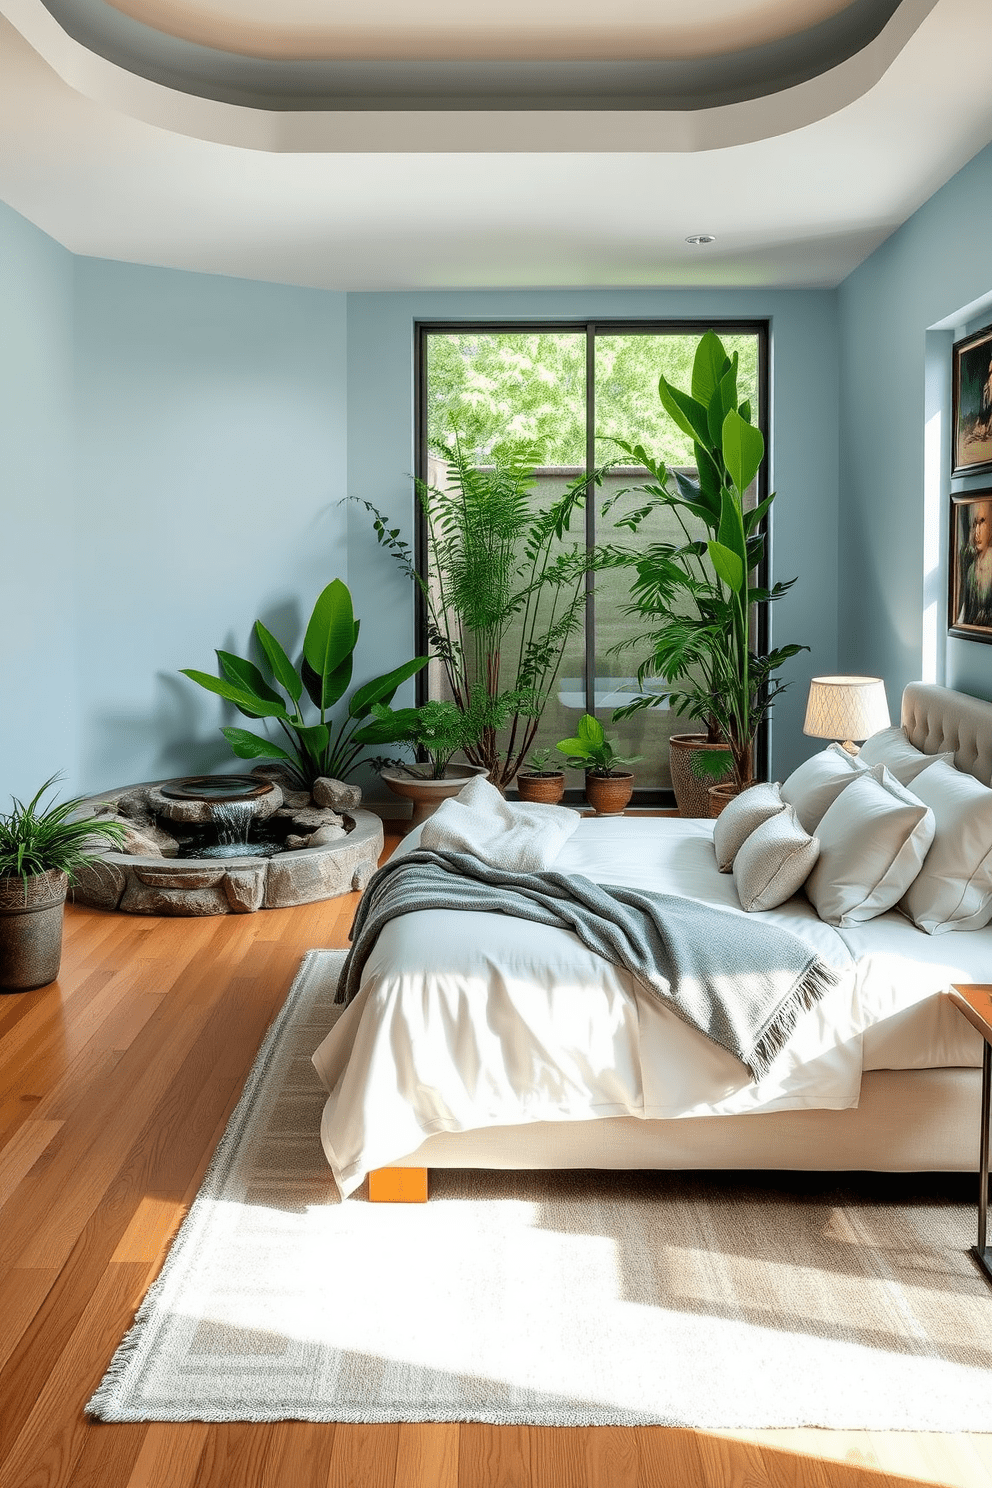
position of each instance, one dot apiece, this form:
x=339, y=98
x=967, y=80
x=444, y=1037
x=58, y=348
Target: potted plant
x=608, y=786
x=540, y=782
x=438, y=730
x=41, y=851
x=315, y=749
x=693, y=598
x=503, y=589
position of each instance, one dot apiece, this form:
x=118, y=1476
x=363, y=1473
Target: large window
x=572, y=390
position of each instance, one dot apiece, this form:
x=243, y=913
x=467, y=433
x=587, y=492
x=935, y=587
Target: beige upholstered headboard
x=935, y=718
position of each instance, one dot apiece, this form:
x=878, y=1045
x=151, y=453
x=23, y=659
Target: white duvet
x=469, y=1020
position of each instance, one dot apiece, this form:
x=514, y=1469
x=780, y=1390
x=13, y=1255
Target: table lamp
x=845, y=709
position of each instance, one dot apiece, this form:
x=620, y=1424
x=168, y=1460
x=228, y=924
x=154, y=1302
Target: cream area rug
x=549, y=1298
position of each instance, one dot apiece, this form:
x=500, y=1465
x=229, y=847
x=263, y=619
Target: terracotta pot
x=547, y=788
x=31, y=930
x=720, y=796
x=609, y=794
x=691, y=794
x=425, y=793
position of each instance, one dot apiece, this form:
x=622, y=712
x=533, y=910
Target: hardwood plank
x=22, y=1151
x=170, y=1455
x=51, y=1439
x=22, y=1293
x=612, y=1458
x=363, y=1456
x=232, y=1454
x=108, y=1456
x=427, y=1456
x=299, y=1455
x=498, y=1456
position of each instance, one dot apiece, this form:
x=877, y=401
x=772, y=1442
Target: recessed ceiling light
x=697, y=239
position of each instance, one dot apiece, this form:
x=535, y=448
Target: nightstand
x=974, y=1000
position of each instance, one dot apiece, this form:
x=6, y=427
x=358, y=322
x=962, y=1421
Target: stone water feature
x=231, y=844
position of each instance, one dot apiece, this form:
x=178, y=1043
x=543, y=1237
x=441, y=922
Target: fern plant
x=503, y=590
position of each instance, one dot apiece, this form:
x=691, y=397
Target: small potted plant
x=541, y=781
x=439, y=730
x=41, y=851
x=608, y=786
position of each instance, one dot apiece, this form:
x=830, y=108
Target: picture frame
x=969, y=566
x=971, y=401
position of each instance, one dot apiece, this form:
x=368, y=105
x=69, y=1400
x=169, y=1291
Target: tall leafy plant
x=503, y=590
x=693, y=598
x=315, y=748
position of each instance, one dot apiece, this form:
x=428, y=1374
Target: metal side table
x=974, y=1000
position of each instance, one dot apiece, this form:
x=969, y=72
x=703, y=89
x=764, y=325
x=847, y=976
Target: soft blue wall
x=210, y=467
x=38, y=703
x=898, y=314
x=803, y=448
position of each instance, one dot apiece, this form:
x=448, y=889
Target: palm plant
x=695, y=596
x=503, y=590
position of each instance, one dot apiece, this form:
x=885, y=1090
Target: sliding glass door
x=571, y=391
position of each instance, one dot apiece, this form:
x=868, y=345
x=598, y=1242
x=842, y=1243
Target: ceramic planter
x=31, y=930
x=425, y=793
x=609, y=794
x=547, y=788
x=691, y=794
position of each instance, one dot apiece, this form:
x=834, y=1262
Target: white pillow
x=891, y=748
x=773, y=863
x=954, y=888
x=873, y=841
x=740, y=817
x=819, y=781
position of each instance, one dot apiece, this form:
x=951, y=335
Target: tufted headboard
x=935, y=719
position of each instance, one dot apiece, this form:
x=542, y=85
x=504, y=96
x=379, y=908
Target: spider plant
x=503, y=590
x=36, y=840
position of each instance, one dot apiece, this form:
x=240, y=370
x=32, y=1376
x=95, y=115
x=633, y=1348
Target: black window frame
x=650, y=796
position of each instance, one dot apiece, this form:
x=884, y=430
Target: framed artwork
x=971, y=421
x=969, y=567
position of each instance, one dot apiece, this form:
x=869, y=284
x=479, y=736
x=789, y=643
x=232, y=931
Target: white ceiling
x=798, y=181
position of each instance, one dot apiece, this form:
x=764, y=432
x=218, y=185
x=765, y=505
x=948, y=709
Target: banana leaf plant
x=317, y=747
x=693, y=599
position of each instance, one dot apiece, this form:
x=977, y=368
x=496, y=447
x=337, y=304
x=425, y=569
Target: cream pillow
x=740, y=817
x=818, y=782
x=954, y=888
x=873, y=841
x=891, y=748
x=773, y=863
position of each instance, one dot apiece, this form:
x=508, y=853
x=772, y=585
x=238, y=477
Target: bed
x=483, y=1041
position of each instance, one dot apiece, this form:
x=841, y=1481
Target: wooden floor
x=115, y=1085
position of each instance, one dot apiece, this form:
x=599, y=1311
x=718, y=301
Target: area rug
x=707, y=1301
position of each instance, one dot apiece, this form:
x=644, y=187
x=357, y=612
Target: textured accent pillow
x=891, y=748
x=774, y=862
x=873, y=841
x=818, y=782
x=740, y=817
x=954, y=888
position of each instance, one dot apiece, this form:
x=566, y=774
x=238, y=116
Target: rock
x=295, y=843
x=309, y=818
x=197, y=812
x=245, y=889
x=336, y=793
x=296, y=800
x=147, y=898
x=301, y=877
x=134, y=803
x=100, y=883
x=323, y=835
x=278, y=774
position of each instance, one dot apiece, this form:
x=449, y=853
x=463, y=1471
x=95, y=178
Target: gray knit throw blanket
x=741, y=982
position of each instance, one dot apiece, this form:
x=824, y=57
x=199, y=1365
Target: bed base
x=908, y=1121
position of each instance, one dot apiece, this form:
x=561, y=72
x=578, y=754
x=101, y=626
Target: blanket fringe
x=815, y=981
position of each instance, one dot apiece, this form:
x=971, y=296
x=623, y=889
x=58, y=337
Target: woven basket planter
x=609, y=794
x=691, y=794
x=718, y=797
x=31, y=930
x=547, y=789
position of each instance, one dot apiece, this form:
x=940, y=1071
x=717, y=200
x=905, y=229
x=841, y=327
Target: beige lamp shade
x=846, y=708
